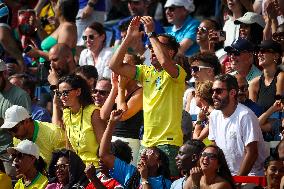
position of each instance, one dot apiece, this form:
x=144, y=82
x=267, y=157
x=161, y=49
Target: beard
x=220, y=104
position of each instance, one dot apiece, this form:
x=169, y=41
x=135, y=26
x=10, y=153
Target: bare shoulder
x=221, y=184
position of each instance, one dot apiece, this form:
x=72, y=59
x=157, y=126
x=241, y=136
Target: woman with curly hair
x=81, y=118
x=213, y=171
x=153, y=168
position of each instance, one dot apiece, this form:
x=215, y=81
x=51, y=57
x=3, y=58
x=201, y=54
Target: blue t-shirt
x=122, y=172
x=188, y=30
x=99, y=6
x=41, y=114
x=253, y=106
x=158, y=29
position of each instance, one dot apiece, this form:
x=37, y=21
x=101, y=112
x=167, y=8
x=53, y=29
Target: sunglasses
x=202, y=29
x=101, y=92
x=243, y=88
x=211, y=156
x=278, y=36
x=61, y=166
x=218, y=90
x=14, y=129
x=18, y=155
x=173, y=8
x=195, y=69
x=64, y=93
x=91, y=37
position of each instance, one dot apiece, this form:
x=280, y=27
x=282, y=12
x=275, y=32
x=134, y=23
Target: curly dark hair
x=223, y=171
x=134, y=181
x=77, y=82
x=121, y=150
x=230, y=81
x=69, y=9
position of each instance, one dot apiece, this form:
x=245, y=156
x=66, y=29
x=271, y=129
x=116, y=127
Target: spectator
x=89, y=73
x=29, y=165
x=236, y=10
x=66, y=170
x=48, y=137
x=274, y=171
x=243, y=96
x=184, y=26
x=244, y=145
x=83, y=125
x=280, y=150
x=127, y=96
x=136, y=8
x=96, y=54
x=10, y=95
x=216, y=173
x=23, y=81
x=152, y=171
x=187, y=158
x=203, y=97
x=251, y=27
x=102, y=91
x=163, y=86
x=241, y=59
x=271, y=81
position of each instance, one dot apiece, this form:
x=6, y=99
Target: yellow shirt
x=162, y=105
x=5, y=181
x=39, y=182
x=49, y=137
x=81, y=135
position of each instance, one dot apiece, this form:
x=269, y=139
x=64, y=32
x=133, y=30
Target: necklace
x=72, y=125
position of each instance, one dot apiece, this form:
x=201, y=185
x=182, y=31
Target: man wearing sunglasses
x=47, y=136
x=235, y=129
x=184, y=26
x=101, y=91
x=163, y=86
x=241, y=59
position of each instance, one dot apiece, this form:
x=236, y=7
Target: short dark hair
x=99, y=28
x=122, y=151
x=196, y=146
x=268, y=160
x=209, y=59
x=69, y=9
x=230, y=80
x=88, y=70
x=172, y=42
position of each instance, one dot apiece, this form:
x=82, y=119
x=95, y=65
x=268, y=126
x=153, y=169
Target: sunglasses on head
x=173, y=8
x=211, y=156
x=202, y=29
x=91, y=37
x=218, y=90
x=61, y=166
x=64, y=93
x=195, y=69
x=101, y=92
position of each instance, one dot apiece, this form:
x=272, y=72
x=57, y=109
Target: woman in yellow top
x=29, y=165
x=81, y=118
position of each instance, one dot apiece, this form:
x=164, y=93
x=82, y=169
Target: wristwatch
x=152, y=34
x=91, y=4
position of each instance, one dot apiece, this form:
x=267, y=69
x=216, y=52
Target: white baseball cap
x=25, y=147
x=14, y=115
x=187, y=4
x=251, y=18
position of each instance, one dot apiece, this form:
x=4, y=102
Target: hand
x=196, y=174
x=143, y=169
x=133, y=29
x=33, y=53
x=272, y=9
x=148, y=22
x=90, y=171
x=87, y=12
x=122, y=81
x=213, y=39
x=114, y=80
x=202, y=115
x=277, y=106
x=115, y=115
x=52, y=77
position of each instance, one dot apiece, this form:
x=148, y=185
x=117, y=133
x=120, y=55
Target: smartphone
x=28, y=49
x=221, y=35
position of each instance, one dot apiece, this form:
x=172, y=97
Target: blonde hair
x=204, y=90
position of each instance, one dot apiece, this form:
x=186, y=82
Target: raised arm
x=116, y=62
x=105, y=146
x=161, y=51
x=250, y=156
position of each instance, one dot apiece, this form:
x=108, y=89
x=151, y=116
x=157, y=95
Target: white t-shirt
x=105, y=55
x=232, y=134
x=232, y=31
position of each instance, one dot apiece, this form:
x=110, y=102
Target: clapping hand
x=116, y=115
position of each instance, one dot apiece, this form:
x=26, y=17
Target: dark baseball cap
x=240, y=45
x=270, y=45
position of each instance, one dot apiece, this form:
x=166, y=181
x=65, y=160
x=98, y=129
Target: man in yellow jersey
x=47, y=136
x=28, y=166
x=163, y=87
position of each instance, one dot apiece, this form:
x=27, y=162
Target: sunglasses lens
x=194, y=69
x=202, y=29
